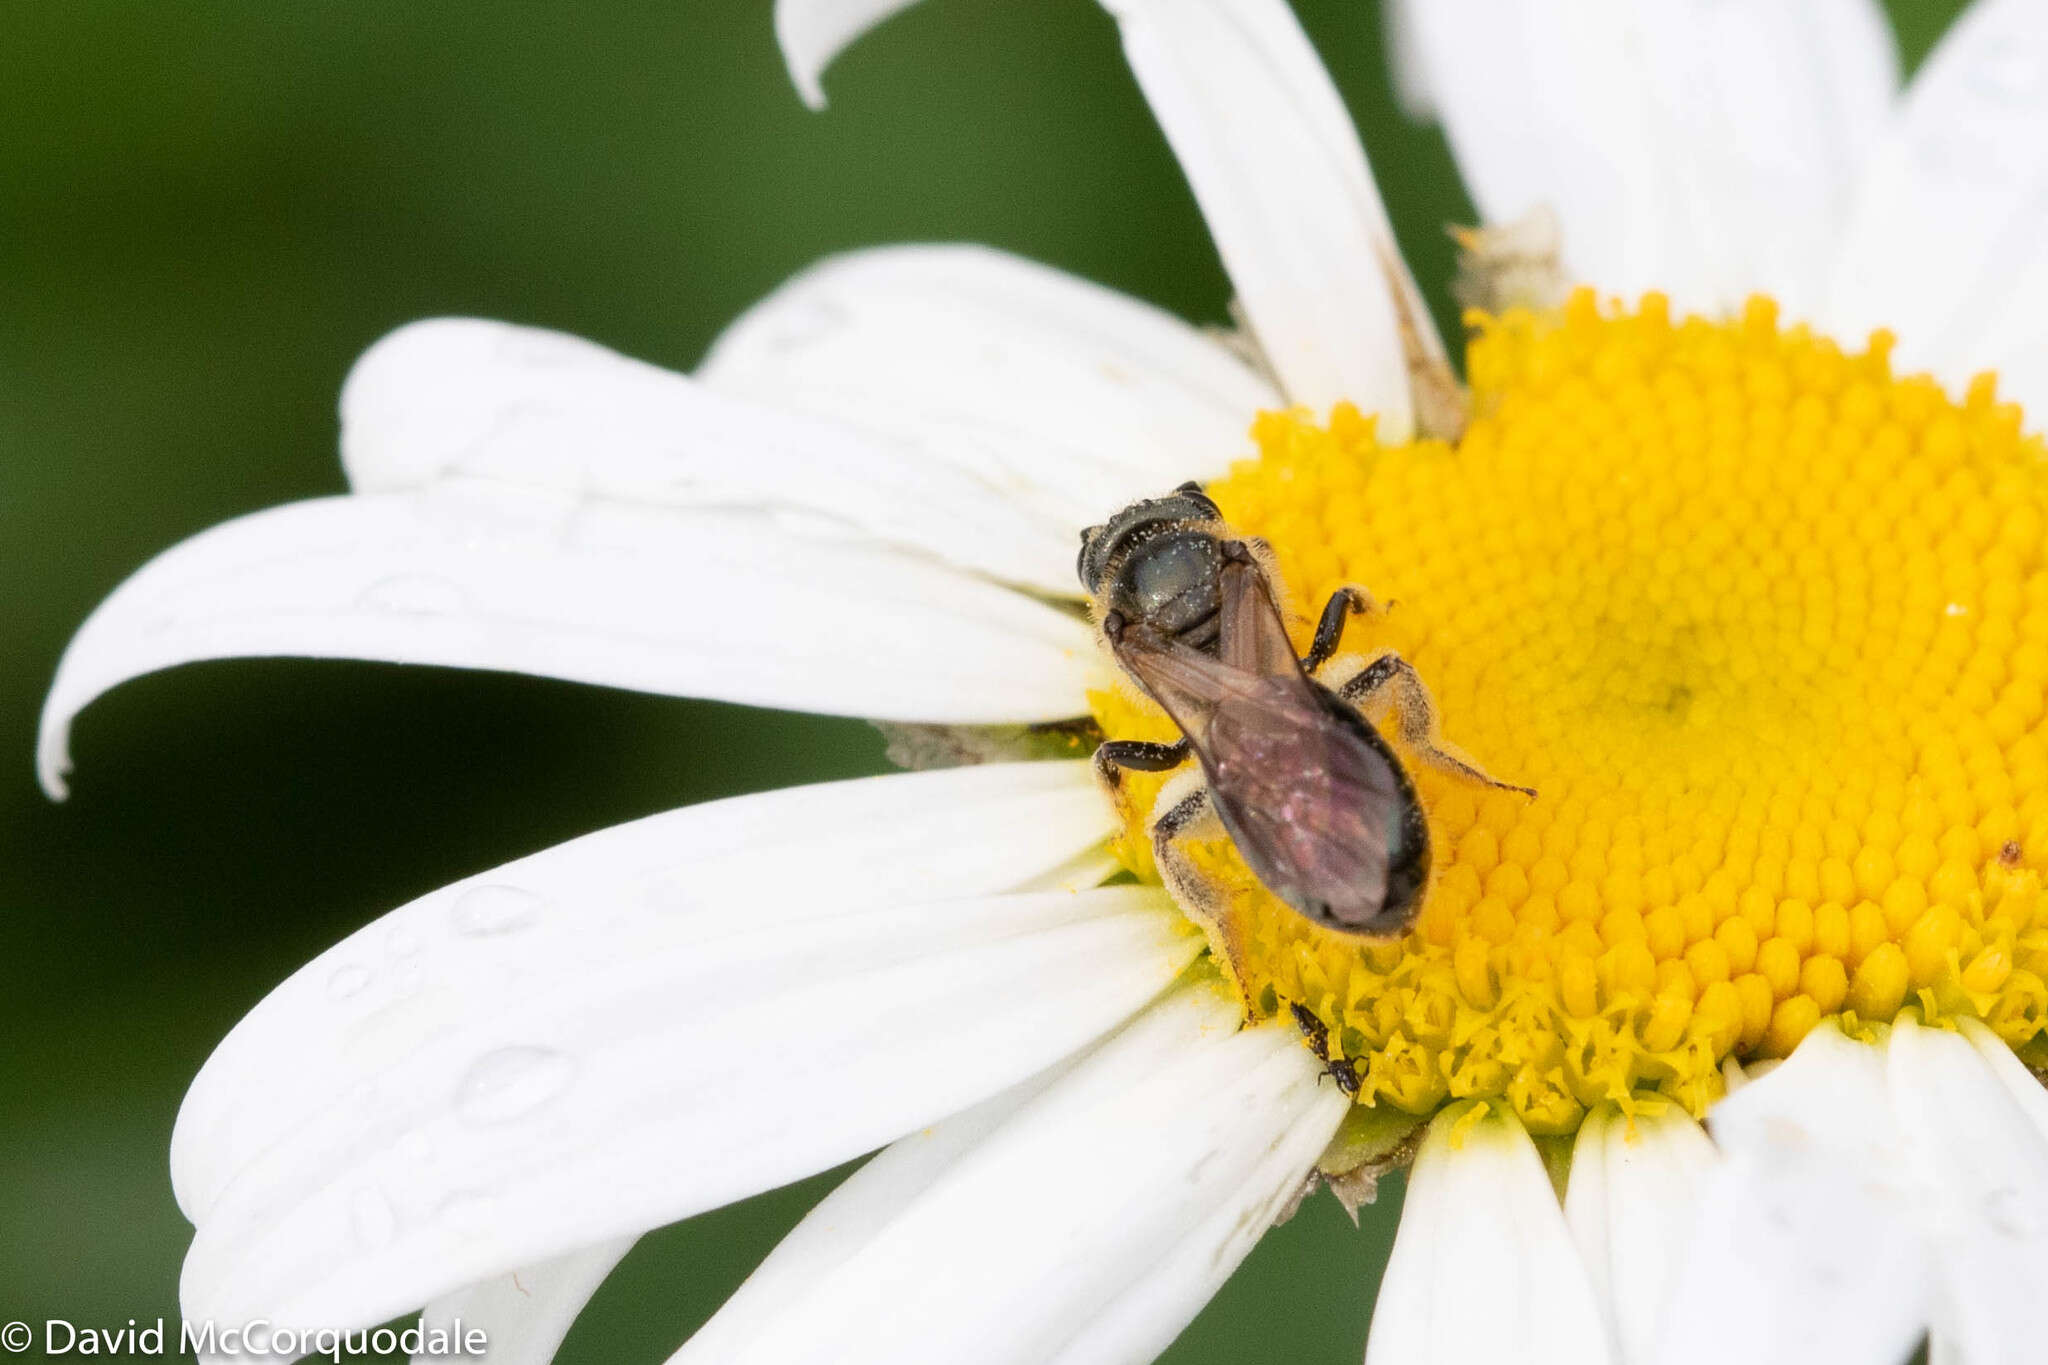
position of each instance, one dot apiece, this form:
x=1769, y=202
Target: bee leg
x=1112, y=756
x=1389, y=685
x=1198, y=900
x=1139, y=755
x=1330, y=629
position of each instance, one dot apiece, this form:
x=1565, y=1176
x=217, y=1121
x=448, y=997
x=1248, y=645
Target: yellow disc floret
x=1766, y=627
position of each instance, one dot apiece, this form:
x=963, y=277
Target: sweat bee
x=1313, y=796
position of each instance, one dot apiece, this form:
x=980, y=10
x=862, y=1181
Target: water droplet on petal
x=415, y=595
x=402, y=941
x=2006, y=1210
x=2013, y=73
x=372, y=1218
x=512, y=1082
x=347, y=981
x=471, y=1214
x=487, y=911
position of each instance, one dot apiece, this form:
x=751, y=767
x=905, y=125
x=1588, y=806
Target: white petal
x=1070, y=398
x=780, y=858
x=813, y=32
x=691, y=603
x=1631, y=1202
x=1807, y=1225
x=488, y=399
x=846, y=1221
x=1409, y=67
x=1985, y=1166
x=1019, y=1237
x=1948, y=246
x=1290, y=201
x=648, y=1022
x=2022, y=1084
x=523, y=1314
x=1483, y=1267
x=1703, y=148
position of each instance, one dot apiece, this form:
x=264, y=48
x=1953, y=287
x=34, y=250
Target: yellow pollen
x=1767, y=628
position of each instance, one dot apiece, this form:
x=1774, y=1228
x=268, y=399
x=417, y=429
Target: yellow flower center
x=1767, y=628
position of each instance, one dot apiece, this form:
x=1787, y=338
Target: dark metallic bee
x=1311, y=794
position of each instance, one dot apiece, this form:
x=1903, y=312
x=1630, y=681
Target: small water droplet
x=374, y=1220
x=487, y=911
x=512, y=1082
x=2011, y=72
x=2006, y=1210
x=470, y=1214
x=415, y=595
x=347, y=981
x=671, y=895
x=402, y=941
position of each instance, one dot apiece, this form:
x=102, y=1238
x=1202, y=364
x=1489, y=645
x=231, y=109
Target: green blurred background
x=207, y=210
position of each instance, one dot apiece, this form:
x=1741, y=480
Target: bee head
x=1157, y=561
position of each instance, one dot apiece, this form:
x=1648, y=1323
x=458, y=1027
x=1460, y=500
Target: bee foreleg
x=1389, y=686
x=1330, y=628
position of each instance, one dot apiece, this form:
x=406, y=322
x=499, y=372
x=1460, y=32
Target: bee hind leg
x=1389, y=686
x=1181, y=815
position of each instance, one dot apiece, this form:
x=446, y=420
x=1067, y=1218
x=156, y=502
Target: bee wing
x=1312, y=804
x=1188, y=683
x=1310, y=795
x=1254, y=638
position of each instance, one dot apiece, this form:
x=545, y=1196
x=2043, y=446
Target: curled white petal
x=1984, y=1166
x=1070, y=398
x=1484, y=1267
x=1706, y=149
x=1631, y=1201
x=645, y=1023
x=523, y=1314
x=1946, y=247
x=464, y=396
x=1289, y=199
x=480, y=574
x=1090, y=1222
x=1808, y=1224
x=813, y=32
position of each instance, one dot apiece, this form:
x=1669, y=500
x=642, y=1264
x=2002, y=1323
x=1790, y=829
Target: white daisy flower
x=1764, y=622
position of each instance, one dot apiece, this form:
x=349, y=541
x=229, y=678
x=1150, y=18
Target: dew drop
x=348, y=981
x=2012, y=73
x=470, y=1214
x=414, y=595
x=510, y=1083
x=2006, y=1210
x=402, y=941
x=372, y=1218
x=488, y=911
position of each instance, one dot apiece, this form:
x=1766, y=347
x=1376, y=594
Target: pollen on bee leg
x=1764, y=623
